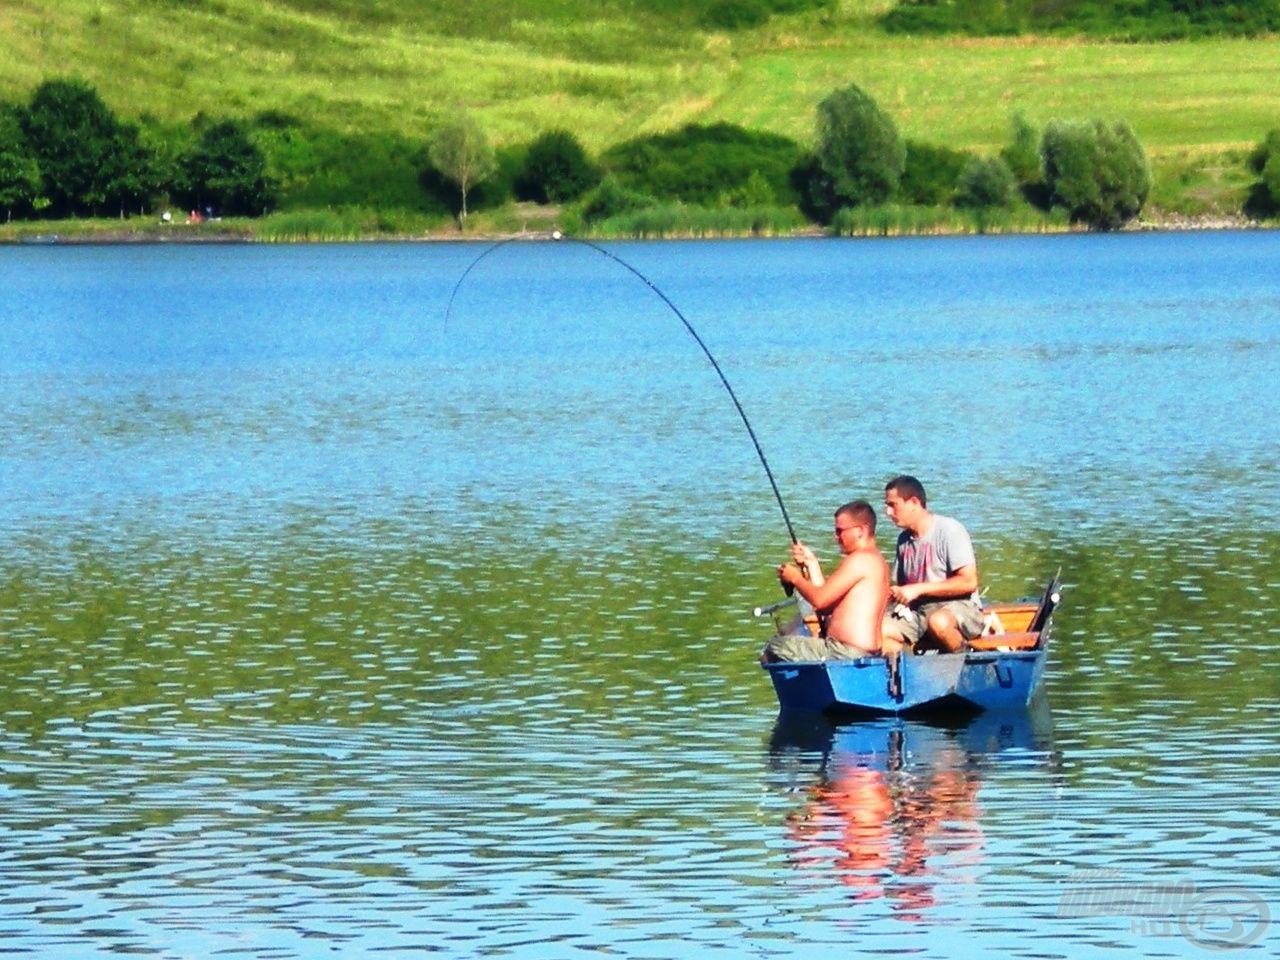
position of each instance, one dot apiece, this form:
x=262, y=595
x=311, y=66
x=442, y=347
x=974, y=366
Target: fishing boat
x=1003, y=668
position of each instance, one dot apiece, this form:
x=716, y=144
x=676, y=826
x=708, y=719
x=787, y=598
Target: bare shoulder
x=872, y=561
x=867, y=562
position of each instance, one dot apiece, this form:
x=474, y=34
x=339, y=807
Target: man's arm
x=963, y=583
x=825, y=595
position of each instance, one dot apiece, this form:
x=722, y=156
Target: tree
x=1098, y=172
x=73, y=136
x=1021, y=153
x=19, y=171
x=858, y=147
x=556, y=169
x=131, y=174
x=985, y=182
x=930, y=173
x=228, y=171
x=461, y=152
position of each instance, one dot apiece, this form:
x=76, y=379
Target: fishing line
x=764, y=462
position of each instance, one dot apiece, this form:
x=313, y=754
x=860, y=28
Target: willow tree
x=461, y=153
x=858, y=147
x=1098, y=171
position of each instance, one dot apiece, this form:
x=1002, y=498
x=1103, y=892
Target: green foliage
x=681, y=220
x=133, y=174
x=318, y=168
x=74, y=137
x=1261, y=155
x=930, y=174
x=985, y=182
x=745, y=14
x=900, y=219
x=19, y=170
x=461, y=152
x=1097, y=172
x=1021, y=153
x=226, y=170
x=1130, y=20
x=336, y=224
x=612, y=199
x=556, y=169
x=735, y=14
x=1264, y=160
x=858, y=147
x=709, y=166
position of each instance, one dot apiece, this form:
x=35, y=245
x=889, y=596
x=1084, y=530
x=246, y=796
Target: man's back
x=856, y=618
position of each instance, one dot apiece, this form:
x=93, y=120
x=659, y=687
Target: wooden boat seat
x=1023, y=640
x=1017, y=626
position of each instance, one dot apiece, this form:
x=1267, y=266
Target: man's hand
x=805, y=557
x=908, y=593
x=788, y=575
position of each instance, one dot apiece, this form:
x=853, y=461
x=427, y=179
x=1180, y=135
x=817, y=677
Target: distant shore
x=139, y=231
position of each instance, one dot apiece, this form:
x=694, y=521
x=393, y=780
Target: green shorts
x=908, y=625
x=803, y=647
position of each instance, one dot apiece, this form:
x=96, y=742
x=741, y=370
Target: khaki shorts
x=908, y=625
x=803, y=647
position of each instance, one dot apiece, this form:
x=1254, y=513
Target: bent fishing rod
x=557, y=235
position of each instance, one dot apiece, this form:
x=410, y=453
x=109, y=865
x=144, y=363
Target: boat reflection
x=890, y=807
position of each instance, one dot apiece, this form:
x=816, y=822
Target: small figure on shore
x=935, y=590
x=853, y=597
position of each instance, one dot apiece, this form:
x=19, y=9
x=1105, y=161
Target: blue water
x=331, y=627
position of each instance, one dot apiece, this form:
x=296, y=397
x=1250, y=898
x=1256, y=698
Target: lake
x=333, y=626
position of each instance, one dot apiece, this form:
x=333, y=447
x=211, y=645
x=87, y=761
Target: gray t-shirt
x=944, y=550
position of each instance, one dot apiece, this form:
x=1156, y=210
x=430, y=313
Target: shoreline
x=84, y=233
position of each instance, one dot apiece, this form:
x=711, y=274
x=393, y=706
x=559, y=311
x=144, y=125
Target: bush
x=930, y=173
x=736, y=14
x=318, y=168
x=1097, y=172
x=1264, y=197
x=985, y=182
x=611, y=199
x=555, y=170
x=858, y=147
x=1022, y=154
x=1130, y=20
x=715, y=165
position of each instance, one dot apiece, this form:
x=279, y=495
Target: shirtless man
x=935, y=588
x=854, y=595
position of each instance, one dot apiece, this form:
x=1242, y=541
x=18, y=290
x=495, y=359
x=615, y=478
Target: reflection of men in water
x=890, y=827
x=854, y=595
x=936, y=575
x=851, y=815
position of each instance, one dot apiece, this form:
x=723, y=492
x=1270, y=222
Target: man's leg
x=951, y=624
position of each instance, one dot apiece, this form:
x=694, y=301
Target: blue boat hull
x=976, y=680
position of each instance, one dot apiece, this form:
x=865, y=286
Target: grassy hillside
x=608, y=69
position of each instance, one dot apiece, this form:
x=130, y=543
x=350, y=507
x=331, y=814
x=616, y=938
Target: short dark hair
x=860, y=512
x=907, y=487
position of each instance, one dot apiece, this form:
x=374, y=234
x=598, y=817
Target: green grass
x=611, y=69
x=893, y=220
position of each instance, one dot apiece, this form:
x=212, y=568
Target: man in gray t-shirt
x=934, y=603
